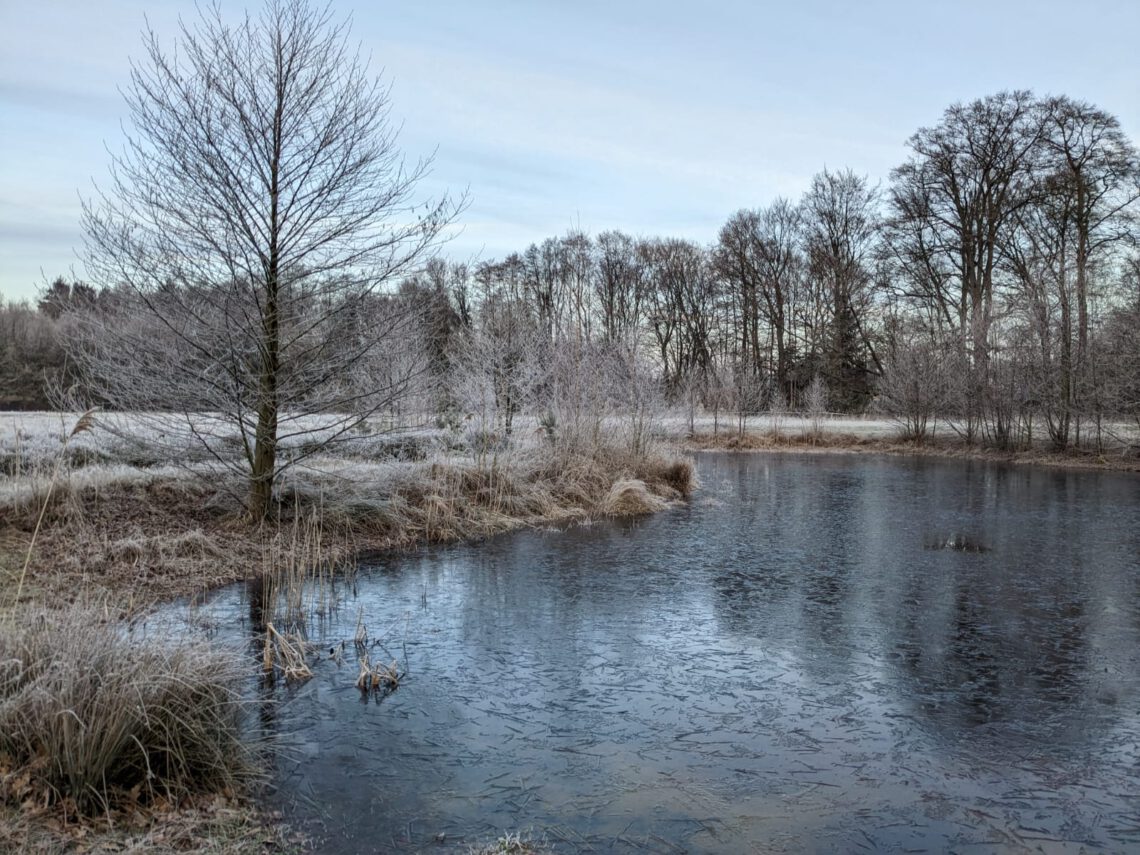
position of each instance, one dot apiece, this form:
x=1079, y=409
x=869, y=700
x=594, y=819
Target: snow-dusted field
x=1116, y=434
x=146, y=447
x=859, y=426
x=35, y=438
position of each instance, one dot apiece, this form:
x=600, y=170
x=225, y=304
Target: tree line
x=33, y=356
x=993, y=279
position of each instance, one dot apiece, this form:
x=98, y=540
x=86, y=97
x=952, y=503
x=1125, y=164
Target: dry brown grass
x=945, y=447
x=155, y=539
x=141, y=542
x=215, y=825
x=629, y=498
x=287, y=654
x=92, y=719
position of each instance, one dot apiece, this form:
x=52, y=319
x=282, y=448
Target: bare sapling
x=253, y=263
x=777, y=412
x=815, y=406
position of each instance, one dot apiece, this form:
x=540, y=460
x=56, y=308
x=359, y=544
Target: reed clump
x=631, y=497
x=92, y=719
x=378, y=677
x=301, y=565
x=511, y=843
x=286, y=653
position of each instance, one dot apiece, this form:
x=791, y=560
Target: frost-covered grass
x=29, y=439
x=159, y=528
x=837, y=429
x=137, y=450
x=94, y=718
x=678, y=425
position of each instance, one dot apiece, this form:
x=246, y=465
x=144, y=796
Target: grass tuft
x=513, y=843
x=630, y=497
x=93, y=720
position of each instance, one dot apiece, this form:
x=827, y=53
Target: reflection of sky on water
x=785, y=663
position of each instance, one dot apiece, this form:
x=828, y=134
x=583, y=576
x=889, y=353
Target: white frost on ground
x=863, y=427
x=126, y=448
x=146, y=448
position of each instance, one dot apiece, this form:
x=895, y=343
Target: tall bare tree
x=954, y=202
x=259, y=208
x=759, y=257
x=841, y=230
x=681, y=309
x=620, y=287
x=956, y=195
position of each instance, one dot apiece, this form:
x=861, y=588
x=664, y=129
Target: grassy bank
x=216, y=826
x=112, y=741
x=881, y=437
x=144, y=536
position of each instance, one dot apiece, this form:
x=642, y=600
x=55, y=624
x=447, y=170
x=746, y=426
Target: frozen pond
x=791, y=663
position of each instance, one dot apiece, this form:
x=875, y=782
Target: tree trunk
x=265, y=448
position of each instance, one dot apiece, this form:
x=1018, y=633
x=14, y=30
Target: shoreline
x=139, y=543
x=162, y=538
x=945, y=449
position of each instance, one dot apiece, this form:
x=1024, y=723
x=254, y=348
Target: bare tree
x=497, y=366
x=1092, y=161
x=258, y=209
x=954, y=201
x=620, y=287
x=30, y=355
x=916, y=383
x=1119, y=343
x=681, y=303
x=841, y=226
x=758, y=256
x=815, y=406
x=961, y=187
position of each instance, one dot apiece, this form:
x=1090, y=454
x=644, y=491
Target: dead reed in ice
x=302, y=567
x=381, y=678
x=378, y=678
x=512, y=843
x=286, y=654
x=360, y=637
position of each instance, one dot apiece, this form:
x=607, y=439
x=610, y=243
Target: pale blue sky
x=653, y=117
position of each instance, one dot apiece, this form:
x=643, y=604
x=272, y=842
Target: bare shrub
x=777, y=412
x=915, y=387
x=815, y=406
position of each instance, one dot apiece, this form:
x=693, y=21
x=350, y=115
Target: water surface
x=786, y=664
